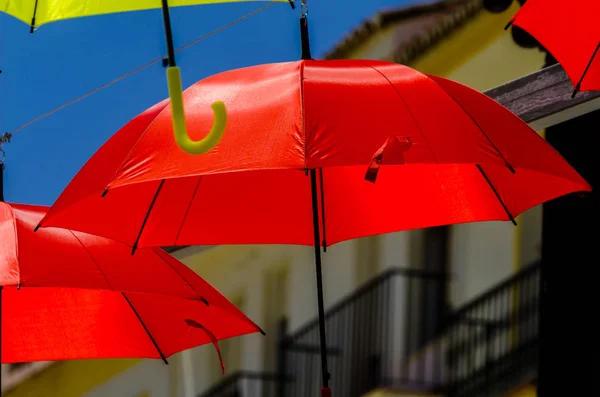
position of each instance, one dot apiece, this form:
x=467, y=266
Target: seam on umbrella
x=128, y=156
x=474, y=121
x=14, y=218
x=145, y=328
x=92, y=258
x=187, y=210
x=56, y=212
x=408, y=110
x=159, y=254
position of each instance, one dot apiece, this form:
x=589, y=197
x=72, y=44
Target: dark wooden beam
x=543, y=99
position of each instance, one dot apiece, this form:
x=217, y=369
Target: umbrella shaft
x=304, y=38
x=315, y=210
x=168, y=32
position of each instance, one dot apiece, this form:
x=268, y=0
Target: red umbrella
x=432, y=141
x=71, y=295
x=387, y=149
x=570, y=32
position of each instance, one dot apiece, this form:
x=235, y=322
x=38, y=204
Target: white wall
x=481, y=255
x=149, y=378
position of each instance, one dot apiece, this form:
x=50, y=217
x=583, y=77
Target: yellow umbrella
x=39, y=12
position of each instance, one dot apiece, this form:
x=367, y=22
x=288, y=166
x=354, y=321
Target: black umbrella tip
x=574, y=94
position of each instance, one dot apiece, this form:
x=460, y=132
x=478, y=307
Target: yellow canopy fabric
x=56, y=10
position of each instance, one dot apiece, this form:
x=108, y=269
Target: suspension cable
x=5, y=138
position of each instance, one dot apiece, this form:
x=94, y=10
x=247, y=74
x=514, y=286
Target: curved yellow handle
x=179, y=125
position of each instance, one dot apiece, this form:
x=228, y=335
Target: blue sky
x=66, y=59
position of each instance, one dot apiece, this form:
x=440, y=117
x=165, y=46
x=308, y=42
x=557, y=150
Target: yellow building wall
x=526, y=391
x=70, y=378
x=399, y=393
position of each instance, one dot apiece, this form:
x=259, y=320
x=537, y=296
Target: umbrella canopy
x=42, y=12
x=46, y=324
x=442, y=153
x=570, y=32
x=71, y=295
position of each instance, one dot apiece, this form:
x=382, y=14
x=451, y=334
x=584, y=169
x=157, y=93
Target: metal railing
x=394, y=332
x=492, y=341
x=374, y=339
x=248, y=384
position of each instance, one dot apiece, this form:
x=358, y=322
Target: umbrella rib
x=145, y=329
x=187, y=211
x=105, y=192
x=487, y=179
x=578, y=86
x=137, y=240
x=510, y=167
x=412, y=116
x=92, y=258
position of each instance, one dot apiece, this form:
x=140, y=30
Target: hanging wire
x=5, y=138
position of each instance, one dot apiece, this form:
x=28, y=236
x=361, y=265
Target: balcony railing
x=394, y=332
x=379, y=336
x=248, y=384
x=493, y=340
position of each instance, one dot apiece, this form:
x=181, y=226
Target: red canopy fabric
x=443, y=153
x=570, y=32
x=45, y=324
x=71, y=295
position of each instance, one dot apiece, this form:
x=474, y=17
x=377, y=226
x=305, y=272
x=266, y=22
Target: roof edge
x=462, y=10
